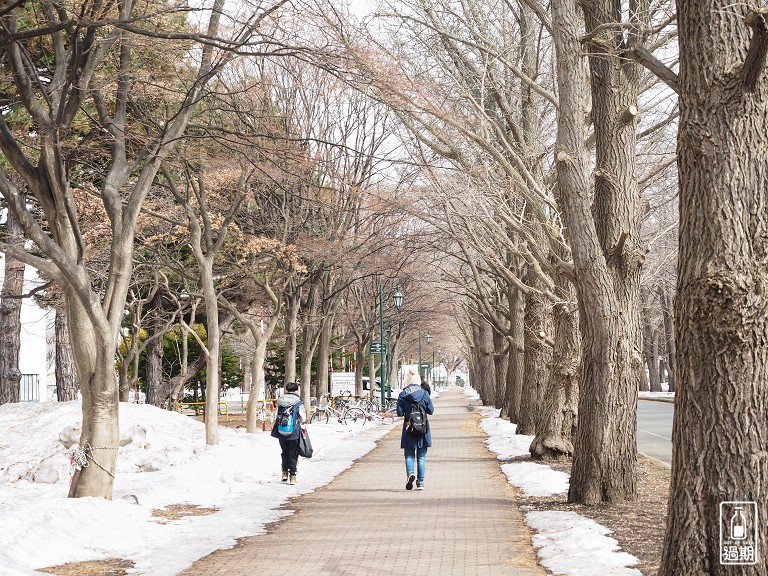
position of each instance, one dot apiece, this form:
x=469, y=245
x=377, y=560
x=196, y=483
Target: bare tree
x=721, y=312
x=80, y=44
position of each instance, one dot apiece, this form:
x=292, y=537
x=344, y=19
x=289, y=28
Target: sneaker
x=409, y=484
x=285, y=476
x=293, y=479
x=419, y=485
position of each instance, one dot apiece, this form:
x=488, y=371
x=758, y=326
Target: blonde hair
x=413, y=376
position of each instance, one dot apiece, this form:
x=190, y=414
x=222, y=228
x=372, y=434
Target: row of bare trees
x=545, y=137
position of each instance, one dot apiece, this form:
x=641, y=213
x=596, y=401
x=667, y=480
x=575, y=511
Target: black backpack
x=417, y=420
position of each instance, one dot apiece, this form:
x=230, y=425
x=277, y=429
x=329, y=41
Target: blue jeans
x=421, y=456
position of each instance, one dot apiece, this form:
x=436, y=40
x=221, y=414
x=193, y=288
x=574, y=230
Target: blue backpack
x=286, y=420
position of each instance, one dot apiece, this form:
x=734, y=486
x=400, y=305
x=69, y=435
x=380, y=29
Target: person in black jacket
x=414, y=447
x=290, y=444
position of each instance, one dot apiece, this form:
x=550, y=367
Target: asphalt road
x=654, y=429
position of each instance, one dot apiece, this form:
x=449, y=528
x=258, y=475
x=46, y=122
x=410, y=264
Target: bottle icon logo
x=738, y=525
x=738, y=533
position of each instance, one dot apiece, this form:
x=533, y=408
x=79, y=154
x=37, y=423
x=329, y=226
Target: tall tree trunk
x=122, y=379
x=258, y=388
x=307, y=349
x=517, y=354
x=292, y=304
x=487, y=369
x=213, y=347
x=557, y=425
x=658, y=366
x=719, y=434
x=669, y=337
x=537, y=358
x=67, y=386
x=649, y=347
x=643, y=385
x=359, y=365
x=604, y=236
x=500, y=367
x=658, y=344
x=10, y=316
x=323, y=356
x=157, y=388
x=95, y=366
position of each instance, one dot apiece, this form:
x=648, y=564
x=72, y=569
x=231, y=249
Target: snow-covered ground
x=567, y=543
x=164, y=461
x=665, y=394
x=670, y=396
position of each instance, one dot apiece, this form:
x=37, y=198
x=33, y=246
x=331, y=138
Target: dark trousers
x=290, y=454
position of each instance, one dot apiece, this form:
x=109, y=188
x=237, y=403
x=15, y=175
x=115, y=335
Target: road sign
x=376, y=347
x=425, y=364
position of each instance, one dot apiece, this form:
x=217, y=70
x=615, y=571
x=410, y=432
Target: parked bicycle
x=340, y=409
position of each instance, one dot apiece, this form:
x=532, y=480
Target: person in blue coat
x=414, y=447
x=289, y=445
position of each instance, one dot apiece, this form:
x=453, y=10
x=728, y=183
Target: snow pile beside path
x=503, y=438
x=577, y=546
x=536, y=480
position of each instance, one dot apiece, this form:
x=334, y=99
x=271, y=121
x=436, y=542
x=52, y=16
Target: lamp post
x=432, y=368
x=428, y=336
x=398, y=299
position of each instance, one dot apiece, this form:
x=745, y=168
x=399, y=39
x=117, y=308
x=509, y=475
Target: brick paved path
x=364, y=523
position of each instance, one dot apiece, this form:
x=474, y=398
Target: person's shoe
x=419, y=485
x=409, y=484
x=285, y=476
x=293, y=479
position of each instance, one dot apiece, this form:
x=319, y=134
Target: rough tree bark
x=557, y=425
x=537, y=357
x=649, y=346
x=605, y=244
x=720, y=430
x=157, y=387
x=669, y=338
x=292, y=305
x=67, y=386
x=10, y=315
x=608, y=256
x=485, y=361
x=323, y=356
x=500, y=365
x=516, y=372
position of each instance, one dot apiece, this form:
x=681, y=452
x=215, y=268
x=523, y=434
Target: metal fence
x=30, y=388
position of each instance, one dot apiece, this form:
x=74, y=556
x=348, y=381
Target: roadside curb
x=656, y=460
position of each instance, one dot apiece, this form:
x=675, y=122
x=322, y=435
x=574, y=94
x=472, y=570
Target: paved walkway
x=364, y=523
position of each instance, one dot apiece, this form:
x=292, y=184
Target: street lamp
x=429, y=341
x=398, y=299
